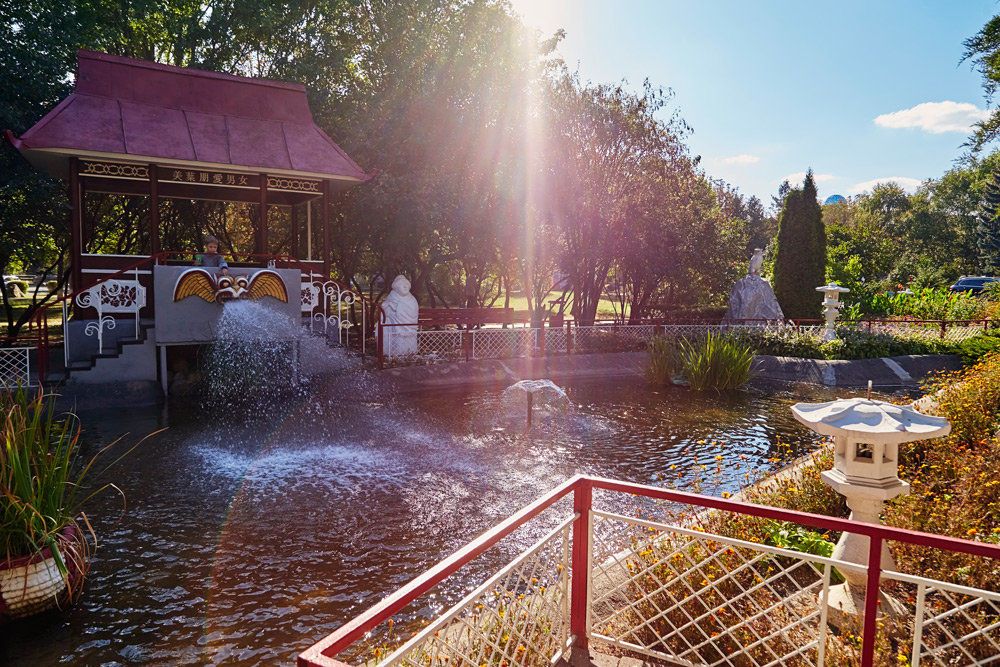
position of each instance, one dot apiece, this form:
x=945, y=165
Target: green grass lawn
x=605, y=307
x=54, y=318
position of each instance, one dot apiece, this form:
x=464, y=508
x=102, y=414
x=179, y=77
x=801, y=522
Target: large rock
x=753, y=299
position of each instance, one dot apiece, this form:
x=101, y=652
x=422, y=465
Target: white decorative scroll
x=328, y=305
x=112, y=296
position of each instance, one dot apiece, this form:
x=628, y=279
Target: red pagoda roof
x=148, y=112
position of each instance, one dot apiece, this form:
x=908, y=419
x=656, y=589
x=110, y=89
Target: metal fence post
x=871, y=601
x=579, y=612
x=467, y=343
x=569, y=337
x=944, y=327
x=379, y=337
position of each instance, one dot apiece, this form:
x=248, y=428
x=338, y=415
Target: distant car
x=972, y=284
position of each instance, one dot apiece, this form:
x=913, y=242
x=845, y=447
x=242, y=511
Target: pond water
x=248, y=534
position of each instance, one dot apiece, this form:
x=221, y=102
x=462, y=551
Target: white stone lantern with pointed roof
x=831, y=307
x=866, y=459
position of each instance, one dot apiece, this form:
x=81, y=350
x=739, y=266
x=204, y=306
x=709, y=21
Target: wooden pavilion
x=141, y=128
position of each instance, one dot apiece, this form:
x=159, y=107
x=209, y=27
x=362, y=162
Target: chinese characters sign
x=135, y=172
x=223, y=178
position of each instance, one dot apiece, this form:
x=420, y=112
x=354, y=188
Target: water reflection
x=247, y=536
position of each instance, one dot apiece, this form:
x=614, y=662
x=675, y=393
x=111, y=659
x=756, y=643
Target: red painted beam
x=583, y=500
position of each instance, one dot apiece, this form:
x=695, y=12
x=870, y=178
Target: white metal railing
x=109, y=296
x=519, y=616
x=15, y=367
x=680, y=592
x=328, y=304
x=699, y=598
x=690, y=596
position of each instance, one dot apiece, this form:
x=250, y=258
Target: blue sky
x=774, y=88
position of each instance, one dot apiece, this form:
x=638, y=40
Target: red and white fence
x=443, y=342
x=672, y=591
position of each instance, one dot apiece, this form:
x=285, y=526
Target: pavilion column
x=75, y=224
x=326, y=229
x=262, y=221
x=295, y=231
x=154, y=210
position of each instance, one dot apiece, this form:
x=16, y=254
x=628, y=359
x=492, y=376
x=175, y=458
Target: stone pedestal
x=753, y=299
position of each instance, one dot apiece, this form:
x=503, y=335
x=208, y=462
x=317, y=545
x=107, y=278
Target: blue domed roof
x=835, y=199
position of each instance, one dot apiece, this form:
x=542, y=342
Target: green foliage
x=794, y=537
x=665, y=361
x=800, y=261
x=983, y=49
x=716, y=362
x=925, y=303
x=973, y=349
x=40, y=474
x=850, y=344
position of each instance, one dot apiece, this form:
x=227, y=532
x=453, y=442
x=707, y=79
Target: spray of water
x=260, y=353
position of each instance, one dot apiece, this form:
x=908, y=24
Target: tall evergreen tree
x=988, y=227
x=800, y=259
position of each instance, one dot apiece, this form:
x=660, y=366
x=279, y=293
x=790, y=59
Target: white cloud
x=905, y=182
x=935, y=117
x=799, y=177
x=745, y=158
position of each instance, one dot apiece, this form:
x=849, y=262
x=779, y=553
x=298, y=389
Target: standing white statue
x=756, y=262
x=401, y=308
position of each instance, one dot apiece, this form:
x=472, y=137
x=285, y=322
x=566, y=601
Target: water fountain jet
x=531, y=395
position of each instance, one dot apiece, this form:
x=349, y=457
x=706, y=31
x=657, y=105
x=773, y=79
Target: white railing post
x=138, y=308
x=65, y=322
x=918, y=624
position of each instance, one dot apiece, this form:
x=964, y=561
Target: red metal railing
x=325, y=652
x=40, y=318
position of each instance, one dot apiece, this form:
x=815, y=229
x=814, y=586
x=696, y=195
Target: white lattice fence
x=555, y=339
x=611, y=338
x=445, y=344
x=15, y=366
x=520, y=617
x=954, y=625
x=503, y=343
x=689, y=596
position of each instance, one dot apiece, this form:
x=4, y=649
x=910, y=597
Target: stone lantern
x=831, y=304
x=866, y=458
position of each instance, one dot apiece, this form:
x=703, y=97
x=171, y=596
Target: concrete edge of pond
x=885, y=373
x=890, y=373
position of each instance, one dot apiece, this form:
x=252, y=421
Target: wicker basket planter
x=32, y=584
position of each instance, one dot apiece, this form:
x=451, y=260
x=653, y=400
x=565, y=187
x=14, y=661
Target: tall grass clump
x=42, y=477
x=716, y=362
x=665, y=361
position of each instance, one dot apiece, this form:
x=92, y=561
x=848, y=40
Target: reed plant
x=716, y=362
x=665, y=362
x=42, y=476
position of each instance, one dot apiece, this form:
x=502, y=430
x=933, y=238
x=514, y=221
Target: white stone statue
x=752, y=299
x=756, y=262
x=401, y=308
